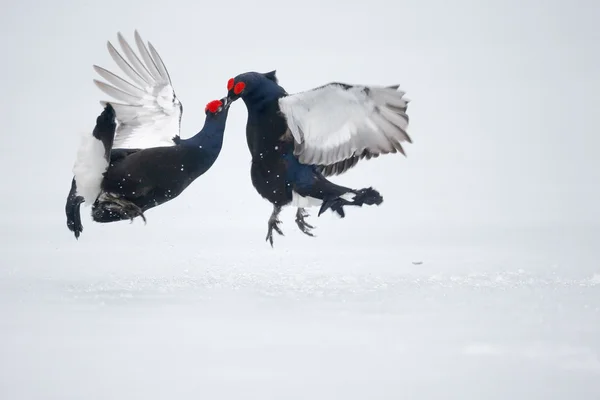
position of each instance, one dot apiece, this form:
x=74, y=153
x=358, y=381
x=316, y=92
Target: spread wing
x=337, y=125
x=150, y=112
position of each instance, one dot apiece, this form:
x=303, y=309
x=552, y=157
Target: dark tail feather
x=336, y=204
x=72, y=211
x=333, y=195
x=368, y=196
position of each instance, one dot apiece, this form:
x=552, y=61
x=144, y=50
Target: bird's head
x=217, y=108
x=253, y=85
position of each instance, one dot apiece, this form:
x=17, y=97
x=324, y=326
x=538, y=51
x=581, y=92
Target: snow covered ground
x=492, y=314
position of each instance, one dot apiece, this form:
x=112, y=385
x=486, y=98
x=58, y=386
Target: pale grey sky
x=504, y=100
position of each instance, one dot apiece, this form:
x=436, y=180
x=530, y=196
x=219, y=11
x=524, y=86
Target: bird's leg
x=304, y=226
x=125, y=208
x=132, y=210
x=274, y=223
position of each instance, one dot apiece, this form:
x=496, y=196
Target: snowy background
x=498, y=198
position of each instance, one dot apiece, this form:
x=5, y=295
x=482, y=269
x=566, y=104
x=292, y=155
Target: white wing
x=150, y=114
x=336, y=125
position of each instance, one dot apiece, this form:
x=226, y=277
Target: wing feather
x=149, y=62
x=160, y=65
x=134, y=60
x=150, y=112
x=337, y=125
x=125, y=67
x=117, y=93
x=119, y=82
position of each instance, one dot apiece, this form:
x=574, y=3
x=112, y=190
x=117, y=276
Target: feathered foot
x=111, y=208
x=130, y=210
x=304, y=226
x=274, y=224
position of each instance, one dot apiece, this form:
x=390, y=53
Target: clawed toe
x=136, y=213
x=304, y=226
x=273, y=225
x=125, y=209
x=132, y=211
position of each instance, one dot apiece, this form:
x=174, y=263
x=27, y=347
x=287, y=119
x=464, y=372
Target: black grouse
x=298, y=140
x=135, y=159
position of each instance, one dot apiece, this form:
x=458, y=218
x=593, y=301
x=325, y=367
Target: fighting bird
x=135, y=159
x=296, y=141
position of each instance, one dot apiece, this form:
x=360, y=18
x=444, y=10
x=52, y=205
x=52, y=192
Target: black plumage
x=296, y=141
x=138, y=180
x=135, y=158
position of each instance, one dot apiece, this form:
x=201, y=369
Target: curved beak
x=226, y=102
x=232, y=97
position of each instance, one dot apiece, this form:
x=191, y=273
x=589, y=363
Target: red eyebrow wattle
x=230, y=84
x=239, y=87
x=213, y=106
